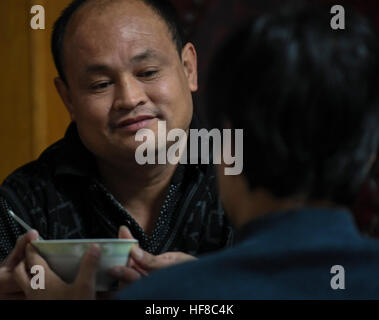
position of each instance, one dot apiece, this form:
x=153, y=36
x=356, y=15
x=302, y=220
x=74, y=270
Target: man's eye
x=101, y=85
x=148, y=74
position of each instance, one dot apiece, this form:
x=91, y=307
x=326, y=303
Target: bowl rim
x=83, y=241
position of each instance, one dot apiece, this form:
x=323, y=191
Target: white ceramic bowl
x=64, y=256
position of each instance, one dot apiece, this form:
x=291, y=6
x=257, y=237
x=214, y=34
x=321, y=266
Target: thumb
x=17, y=253
x=86, y=278
x=150, y=262
x=144, y=259
x=124, y=233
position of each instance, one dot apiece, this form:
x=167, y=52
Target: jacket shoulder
x=35, y=171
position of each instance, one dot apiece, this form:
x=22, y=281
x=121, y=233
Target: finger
x=124, y=233
x=21, y=276
x=143, y=259
x=125, y=274
x=8, y=284
x=171, y=258
x=13, y=296
x=17, y=253
x=132, y=264
x=86, y=278
x=32, y=258
x=145, y=262
x=141, y=270
x=150, y=262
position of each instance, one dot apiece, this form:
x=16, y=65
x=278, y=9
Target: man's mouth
x=136, y=123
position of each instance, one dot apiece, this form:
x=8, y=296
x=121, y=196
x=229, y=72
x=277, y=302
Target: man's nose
x=129, y=94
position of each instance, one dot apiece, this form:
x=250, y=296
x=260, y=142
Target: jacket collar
x=316, y=225
x=73, y=158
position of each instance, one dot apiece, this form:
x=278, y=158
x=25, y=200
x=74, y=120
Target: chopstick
x=22, y=223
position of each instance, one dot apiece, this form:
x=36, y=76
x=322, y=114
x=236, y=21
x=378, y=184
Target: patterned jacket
x=61, y=196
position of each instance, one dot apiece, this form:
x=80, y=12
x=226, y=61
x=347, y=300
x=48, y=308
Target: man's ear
x=189, y=60
x=64, y=93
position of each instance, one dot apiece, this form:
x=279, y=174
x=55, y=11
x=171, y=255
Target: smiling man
x=122, y=67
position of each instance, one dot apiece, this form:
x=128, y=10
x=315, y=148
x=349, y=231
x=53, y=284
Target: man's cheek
x=94, y=114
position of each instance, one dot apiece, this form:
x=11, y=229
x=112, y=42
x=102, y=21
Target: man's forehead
x=131, y=49
x=129, y=13
x=130, y=21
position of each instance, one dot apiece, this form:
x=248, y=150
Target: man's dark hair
x=307, y=98
x=164, y=9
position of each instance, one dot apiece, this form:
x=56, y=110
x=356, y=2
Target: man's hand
x=56, y=289
x=141, y=263
x=9, y=289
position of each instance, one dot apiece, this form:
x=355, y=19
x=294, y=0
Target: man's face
x=124, y=73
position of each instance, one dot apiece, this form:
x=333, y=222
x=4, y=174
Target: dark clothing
x=61, y=196
x=287, y=255
x=366, y=207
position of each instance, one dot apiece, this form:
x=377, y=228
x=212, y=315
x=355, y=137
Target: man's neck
x=140, y=189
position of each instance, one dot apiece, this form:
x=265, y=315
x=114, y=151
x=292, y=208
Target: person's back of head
x=307, y=98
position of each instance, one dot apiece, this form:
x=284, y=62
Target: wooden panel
x=32, y=115
x=57, y=115
x=51, y=118
x=37, y=79
x=15, y=95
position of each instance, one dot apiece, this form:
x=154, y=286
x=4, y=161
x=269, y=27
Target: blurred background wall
x=31, y=113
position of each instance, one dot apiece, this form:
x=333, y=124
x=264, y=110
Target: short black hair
x=306, y=97
x=164, y=8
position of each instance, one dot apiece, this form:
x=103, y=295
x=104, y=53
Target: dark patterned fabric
x=61, y=196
